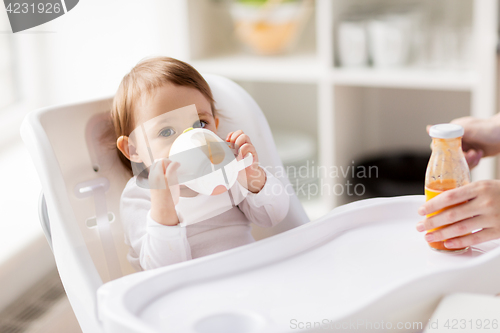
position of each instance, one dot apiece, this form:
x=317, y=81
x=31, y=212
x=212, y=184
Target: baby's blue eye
x=167, y=132
x=199, y=124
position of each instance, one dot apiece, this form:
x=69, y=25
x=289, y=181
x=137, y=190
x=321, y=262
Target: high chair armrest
x=44, y=219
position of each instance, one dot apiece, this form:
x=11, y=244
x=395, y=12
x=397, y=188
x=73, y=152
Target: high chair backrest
x=82, y=179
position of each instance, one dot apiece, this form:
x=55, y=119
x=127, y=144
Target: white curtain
x=7, y=87
x=79, y=56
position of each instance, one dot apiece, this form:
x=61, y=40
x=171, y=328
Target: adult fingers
x=473, y=157
x=458, y=229
x=462, y=121
x=479, y=237
x=451, y=215
x=449, y=198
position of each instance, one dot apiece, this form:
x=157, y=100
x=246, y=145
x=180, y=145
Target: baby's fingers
x=245, y=149
x=234, y=136
x=172, y=181
x=171, y=173
x=156, y=176
x=164, y=162
x=241, y=140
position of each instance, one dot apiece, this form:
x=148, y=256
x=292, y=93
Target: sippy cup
x=206, y=161
x=447, y=169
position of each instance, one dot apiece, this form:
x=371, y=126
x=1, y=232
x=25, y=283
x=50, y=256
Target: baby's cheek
x=165, y=152
x=156, y=152
x=213, y=129
x=143, y=155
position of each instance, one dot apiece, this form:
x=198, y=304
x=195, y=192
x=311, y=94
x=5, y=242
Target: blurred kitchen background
x=344, y=84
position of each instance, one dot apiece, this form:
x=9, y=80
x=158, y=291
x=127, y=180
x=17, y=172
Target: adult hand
x=480, y=209
x=481, y=138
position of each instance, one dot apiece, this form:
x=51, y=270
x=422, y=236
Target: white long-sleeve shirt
x=208, y=224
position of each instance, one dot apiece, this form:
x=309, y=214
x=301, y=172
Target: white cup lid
x=446, y=131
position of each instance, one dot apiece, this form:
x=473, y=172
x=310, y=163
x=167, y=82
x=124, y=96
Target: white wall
x=86, y=52
x=80, y=55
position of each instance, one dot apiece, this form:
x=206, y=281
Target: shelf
x=405, y=78
x=372, y=109
x=296, y=68
x=304, y=68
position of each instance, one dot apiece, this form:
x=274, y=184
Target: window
x=7, y=84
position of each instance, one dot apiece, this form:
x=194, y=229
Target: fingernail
x=449, y=244
x=420, y=226
x=429, y=237
x=421, y=210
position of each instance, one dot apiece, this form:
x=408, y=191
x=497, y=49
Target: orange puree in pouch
x=431, y=190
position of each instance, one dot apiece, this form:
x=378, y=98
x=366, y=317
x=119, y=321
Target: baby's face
x=164, y=117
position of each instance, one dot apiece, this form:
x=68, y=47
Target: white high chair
x=82, y=180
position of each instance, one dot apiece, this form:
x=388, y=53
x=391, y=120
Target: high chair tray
x=362, y=261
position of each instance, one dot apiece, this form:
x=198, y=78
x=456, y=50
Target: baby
x=153, y=90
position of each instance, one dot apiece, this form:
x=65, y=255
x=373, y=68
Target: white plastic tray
x=361, y=261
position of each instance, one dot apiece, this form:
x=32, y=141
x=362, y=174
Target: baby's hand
x=164, y=197
x=255, y=175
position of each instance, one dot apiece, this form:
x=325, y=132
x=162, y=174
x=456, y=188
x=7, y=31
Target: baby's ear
x=127, y=147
